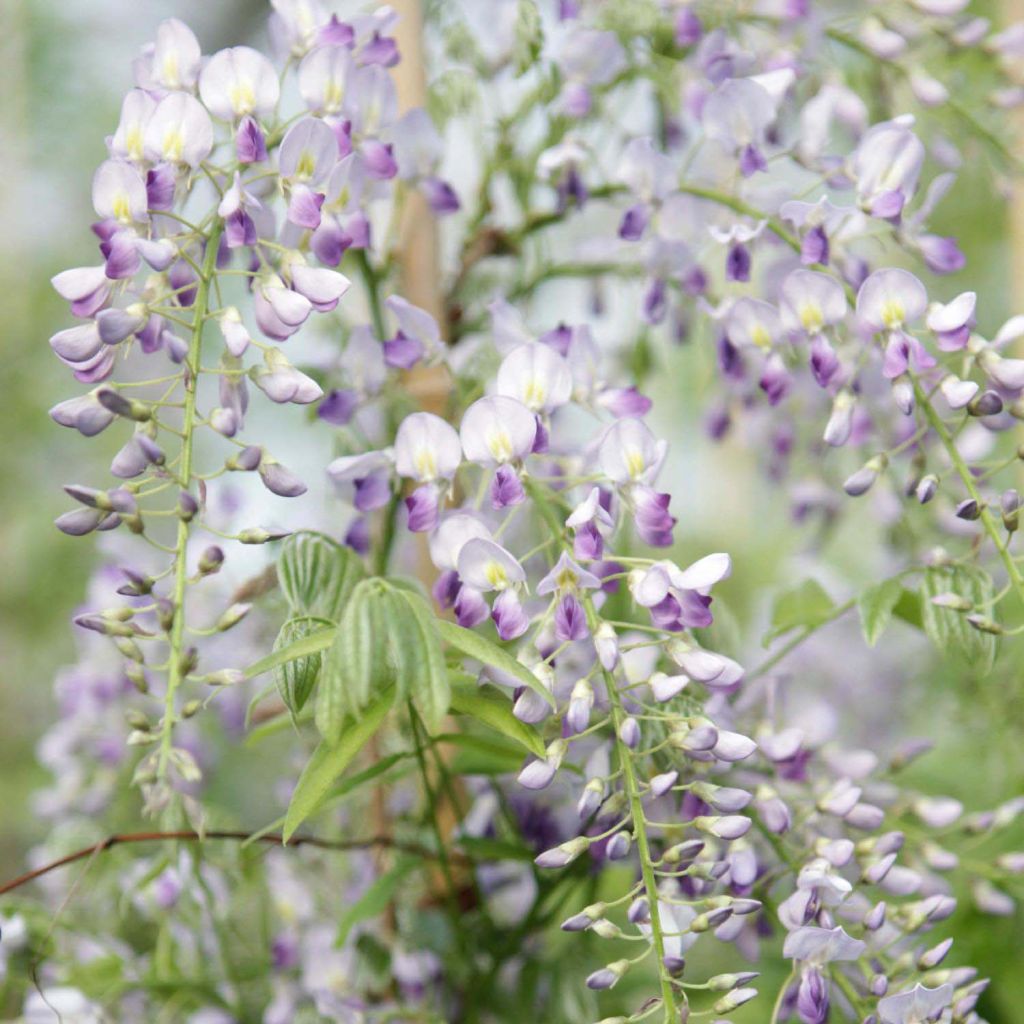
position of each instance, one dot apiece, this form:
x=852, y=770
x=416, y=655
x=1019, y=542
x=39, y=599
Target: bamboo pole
x=417, y=253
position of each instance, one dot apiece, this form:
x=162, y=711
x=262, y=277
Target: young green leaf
x=375, y=899
x=478, y=647
x=876, y=605
x=948, y=628
x=429, y=687
x=329, y=760
x=295, y=679
x=311, y=644
x=806, y=605
x=494, y=711
x=355, y=668
x=317, y=574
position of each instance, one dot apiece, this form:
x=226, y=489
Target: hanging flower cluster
x=503, y=705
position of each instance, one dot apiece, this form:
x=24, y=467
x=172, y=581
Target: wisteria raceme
x=503, y=703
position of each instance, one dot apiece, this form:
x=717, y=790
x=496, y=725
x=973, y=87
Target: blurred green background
x=63, y=70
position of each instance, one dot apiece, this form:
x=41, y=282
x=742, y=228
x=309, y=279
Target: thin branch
x=187, y=836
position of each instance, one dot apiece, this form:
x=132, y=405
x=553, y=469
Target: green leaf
x=355, y=668
x=529, y=36
x=317, y=574
x=908, y=608
x=329, y=760
x=478, y=647
x=876, y=605
x=482, y=755
x=806, y=605
x=429, y=686
x=494, y=711
x=375, y=899
x=300, y=649
x=482, y=848
x=295, y=679
x=948, y=628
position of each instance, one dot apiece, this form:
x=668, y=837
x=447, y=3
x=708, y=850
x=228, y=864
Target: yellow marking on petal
x=170, y=71
x=133, y=142
x=893, y=313
x=811, y=317
x=173, y=145
x=306, y=165
x=122, y=208
x=535, y=393
x=567, y=580
x=242, y=96
x=761, y=337
x=496, y=575
x=334, y=94
x=426, y=464
x=635, y=463
x=500, y=445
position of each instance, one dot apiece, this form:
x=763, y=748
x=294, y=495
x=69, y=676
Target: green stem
x=369, y=276
x=963, y=471
x=191, y=377
x=643, y=846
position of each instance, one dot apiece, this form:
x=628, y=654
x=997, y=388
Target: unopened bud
x=137, y=720
x=1009, y=505
x=606, y=929
x=983, y=624
x=257, y=535
x=224, y=677
x=113, y=401
x=137, y=677
x=187, y=506
x=988, y=403
x=969, y=509
x=232, y=616
x=926, y=488
x=189, y=709
x=864, y=479
x=188, y=661
x=246, y=460
x=608, y=977
x=734, y=999
x=211, y=560
x=130, y=649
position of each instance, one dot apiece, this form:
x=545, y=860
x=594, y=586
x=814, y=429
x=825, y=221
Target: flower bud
x=629, y=732
x=563, y=854
x=988, y=403
x=187, y=506
x=864, y=479
x=190, y=708
x=257, y=535
x=232, y=616
x=113, y=401
x=618, y=846
x=608, y=977
x=606, y=929
x=734, y=999
x=224, y=677
x=606, y=642
x=983, y=624
x=211, y=560
x=1009, y=505
x=246, y=460
x=591, y=797
x=926, y=489
x=969, y=509
x=934, y=956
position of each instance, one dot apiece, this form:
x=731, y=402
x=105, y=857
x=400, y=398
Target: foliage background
x=63, y=70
